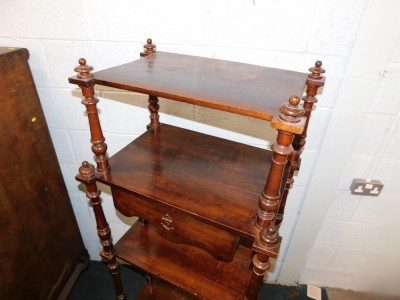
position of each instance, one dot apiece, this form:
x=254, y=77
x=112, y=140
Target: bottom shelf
x=162, y=290
x=187, y=267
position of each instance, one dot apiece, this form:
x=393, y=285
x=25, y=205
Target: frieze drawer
x=177, y=226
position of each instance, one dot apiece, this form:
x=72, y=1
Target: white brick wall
x=357, y=247
x=284, y=34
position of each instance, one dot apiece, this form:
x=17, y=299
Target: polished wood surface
x=40, y=242
x=190, y=268
x=213, y=180
x=229, y=86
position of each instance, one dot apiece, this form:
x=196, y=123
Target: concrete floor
x=339, y=294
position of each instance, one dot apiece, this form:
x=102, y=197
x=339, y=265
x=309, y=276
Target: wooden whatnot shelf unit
x=209, y=209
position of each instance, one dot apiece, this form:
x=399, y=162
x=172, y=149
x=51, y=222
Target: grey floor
x=96, y=283
x=339, y=294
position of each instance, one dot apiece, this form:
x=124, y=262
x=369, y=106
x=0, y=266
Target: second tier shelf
x=213, y=180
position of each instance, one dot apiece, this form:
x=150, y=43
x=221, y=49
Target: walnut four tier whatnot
x=209, y=209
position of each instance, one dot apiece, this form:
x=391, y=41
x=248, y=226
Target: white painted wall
x=357, y=245
x=285, y=34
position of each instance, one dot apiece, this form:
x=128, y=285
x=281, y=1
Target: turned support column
x=88, y=177
x=314, y=81
x=154, y=117
x=150, y=48
x=267, y=243
x=269, y=199
x=85, y=81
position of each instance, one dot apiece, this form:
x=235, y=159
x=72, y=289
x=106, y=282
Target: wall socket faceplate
x=366, y=188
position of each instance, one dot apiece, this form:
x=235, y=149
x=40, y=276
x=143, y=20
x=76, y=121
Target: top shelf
x=239, y=88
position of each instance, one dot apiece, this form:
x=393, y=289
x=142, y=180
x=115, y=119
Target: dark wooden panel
x=229, y=86
x=40, y=242
x=162, y=290
x=188, y=267
x=214, y=180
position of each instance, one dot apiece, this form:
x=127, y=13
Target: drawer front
x=177, y=226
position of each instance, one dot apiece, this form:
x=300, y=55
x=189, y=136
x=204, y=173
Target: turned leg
x=267, y=243
x=260, y=265
x=314, y=81
x=87, y=176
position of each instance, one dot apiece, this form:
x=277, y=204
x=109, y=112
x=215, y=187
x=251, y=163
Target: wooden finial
x=87, y=170
x=83, y=70
x=291, y=112
x=269, y=236
x=316, y=71
x=149, y=48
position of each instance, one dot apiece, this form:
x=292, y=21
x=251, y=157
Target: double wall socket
x=366, y=188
